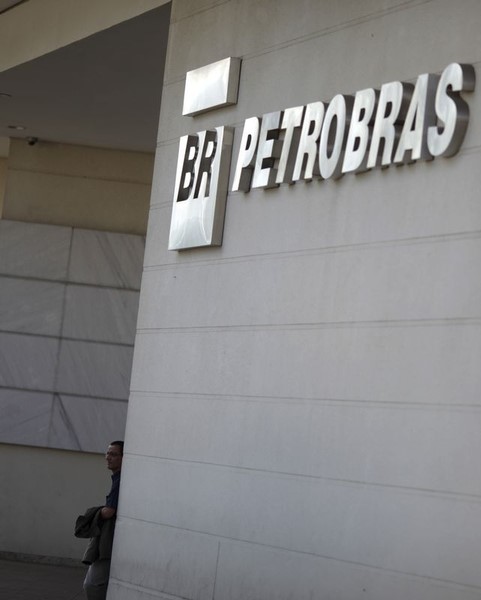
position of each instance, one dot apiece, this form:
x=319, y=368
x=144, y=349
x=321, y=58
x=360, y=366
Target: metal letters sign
x=397, y=124
x=203, y=164
x=201, y=189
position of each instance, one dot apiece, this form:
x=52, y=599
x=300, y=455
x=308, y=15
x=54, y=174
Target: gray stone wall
x=305, y=411
x=68, y=308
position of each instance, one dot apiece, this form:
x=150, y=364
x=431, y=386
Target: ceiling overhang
x=102, y=91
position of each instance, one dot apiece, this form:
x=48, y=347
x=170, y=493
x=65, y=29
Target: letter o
x=331, y=142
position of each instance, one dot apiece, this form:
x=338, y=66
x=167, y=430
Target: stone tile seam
x=64, y=394
x=320, y=403
x=58, y=403
x=58, y=353
x=311, y=327
x=465, y=497
x=303, y=40
x=439, y=581
x=66, y=339
x=314, y=252
x=67, y=282
x=403, y=6
x=216, y=572
x=213, y=5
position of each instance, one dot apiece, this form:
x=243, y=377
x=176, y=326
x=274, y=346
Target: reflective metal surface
x=412, y=143
x=446, y=137
x=201, y=189
x=398, y=124
x=268, y=149
x=212, y=86
x=333, y=136
x=307, y=165
x=355, y=156
x=247, y=155
x=291, y=122
x=393, y=101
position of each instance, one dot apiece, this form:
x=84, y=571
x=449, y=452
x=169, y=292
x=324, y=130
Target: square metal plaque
x=211, y=86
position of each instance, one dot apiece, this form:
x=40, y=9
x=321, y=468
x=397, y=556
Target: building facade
x=303, y=416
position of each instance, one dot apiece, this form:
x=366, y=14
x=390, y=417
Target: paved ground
x=36, y=581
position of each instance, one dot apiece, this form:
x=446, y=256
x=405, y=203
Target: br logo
x=201, y=189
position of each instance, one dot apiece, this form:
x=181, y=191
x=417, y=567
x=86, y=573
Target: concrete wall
x=68, y=309
x=35, y=523
x=68, y=294
x=305, y=412
x=77, y=186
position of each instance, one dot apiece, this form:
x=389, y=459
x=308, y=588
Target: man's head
x=114, y=455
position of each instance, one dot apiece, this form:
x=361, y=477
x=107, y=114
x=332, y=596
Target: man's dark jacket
x=100, y=531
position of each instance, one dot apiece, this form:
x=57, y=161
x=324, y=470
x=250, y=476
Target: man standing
x=99, y=552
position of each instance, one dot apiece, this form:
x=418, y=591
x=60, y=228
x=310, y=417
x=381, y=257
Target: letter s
x=451, y=110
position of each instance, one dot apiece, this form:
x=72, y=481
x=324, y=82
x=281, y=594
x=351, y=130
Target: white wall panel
x=184, y=565
x=261, y=27
x=398, y=281
x=423, y=363
x=403, y=528
x=247, y=572
x=394, y=445
x=322, y=60
x=307, y=394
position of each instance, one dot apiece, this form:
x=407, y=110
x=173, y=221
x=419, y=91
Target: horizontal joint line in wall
x=63, y=394
x=218, y=536
x=302, y=39
x=67, y=339
x=67, y=282
x=340, y=402
x=344, y=248
x=398, y=323
x=378, y=14
x=439, y=493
